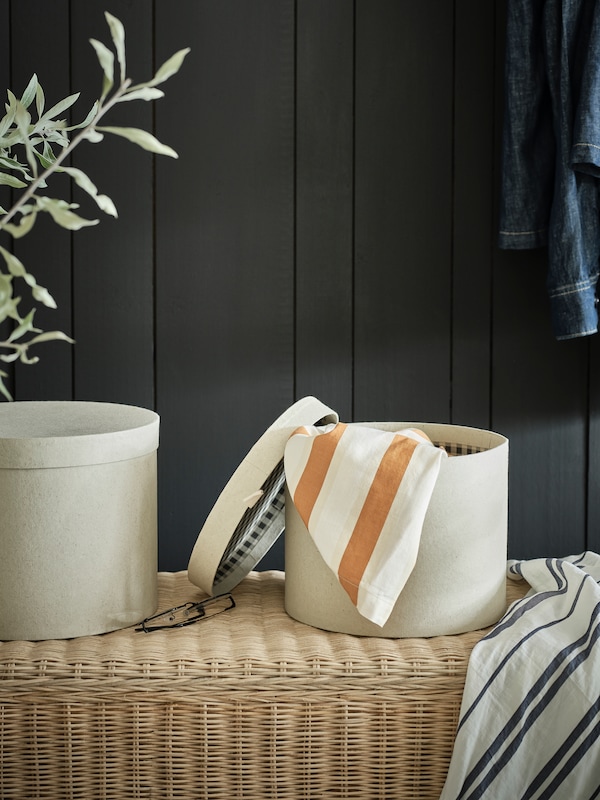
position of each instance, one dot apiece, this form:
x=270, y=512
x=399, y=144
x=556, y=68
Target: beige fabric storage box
x=249, y=704
x=78, y=522
x=458, y=582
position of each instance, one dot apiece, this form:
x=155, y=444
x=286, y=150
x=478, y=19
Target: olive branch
x=46, y=144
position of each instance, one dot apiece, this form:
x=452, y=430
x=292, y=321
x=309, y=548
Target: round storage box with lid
x=78, y=519
x=458, y=583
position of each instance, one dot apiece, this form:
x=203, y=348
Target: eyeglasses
x=187, y=613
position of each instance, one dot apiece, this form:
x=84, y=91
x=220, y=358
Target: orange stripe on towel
x=374, y=513
x=309, y=485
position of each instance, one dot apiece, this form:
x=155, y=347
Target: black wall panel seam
x=353, y=220
x=451, y=256
x=295, y=212
x=154, y=229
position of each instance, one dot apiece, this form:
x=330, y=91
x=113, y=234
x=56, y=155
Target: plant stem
x=102, y=109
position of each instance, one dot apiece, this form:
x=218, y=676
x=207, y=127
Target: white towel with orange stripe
x=363, y=494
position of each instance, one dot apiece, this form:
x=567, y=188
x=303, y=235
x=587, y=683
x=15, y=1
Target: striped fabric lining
x=458, y=449
x=530, y=718
x=362, y=494
x=259, y=527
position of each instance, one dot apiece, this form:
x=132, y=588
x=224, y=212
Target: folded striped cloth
x=530, y=717
x=363, y=494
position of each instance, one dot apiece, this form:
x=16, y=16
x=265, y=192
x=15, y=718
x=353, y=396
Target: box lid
x=249, y=515
x=43, y=434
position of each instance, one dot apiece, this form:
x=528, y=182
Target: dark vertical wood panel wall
x=224, y=248
x=49, y=248
x=113, y=282
x=403, y=209
x=324, y=210
x=473, y=220
x=328, y=229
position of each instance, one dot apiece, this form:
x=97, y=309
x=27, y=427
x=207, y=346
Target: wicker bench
x=249, y=704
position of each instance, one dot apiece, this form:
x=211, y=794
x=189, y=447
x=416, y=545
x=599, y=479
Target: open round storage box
x=78, y=523
x=459, y=581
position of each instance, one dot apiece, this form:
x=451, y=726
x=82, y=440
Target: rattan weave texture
x=250, y=704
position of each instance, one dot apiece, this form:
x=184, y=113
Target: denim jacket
x=551, y=150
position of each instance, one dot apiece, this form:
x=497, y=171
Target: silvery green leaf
x=3, y=389
x=57, y=109
x=25, y=326
x=8, y=303
x=93, y=136
x=106, y=204
x=23, y=228
x=10, y=357
x=117, y=31
x=49, y=152
x=147, y=93
x=30, y=92
x=40, y=101
x=90, y=116
x=12, y=163
x=107, y=62
x=42, y=295
x=9, y=310
x=143, y=139
x=6, y=122
x=13, y=138
x=23, y=121
x=11, y=180
x=170, y=67
x=5, y=291
x=61, y=213
x=25, y=359
x=50, y=335
x=51, y=126
x=12, y=101
x=15, y=267
x=58, y=138
x=82, y=180
x=44, y=160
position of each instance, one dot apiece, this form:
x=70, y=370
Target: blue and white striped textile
x=530, y=715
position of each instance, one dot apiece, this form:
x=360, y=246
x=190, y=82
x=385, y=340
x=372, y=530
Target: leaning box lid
x=249, y=515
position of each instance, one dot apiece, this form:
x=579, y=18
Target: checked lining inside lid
x=259, y=527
